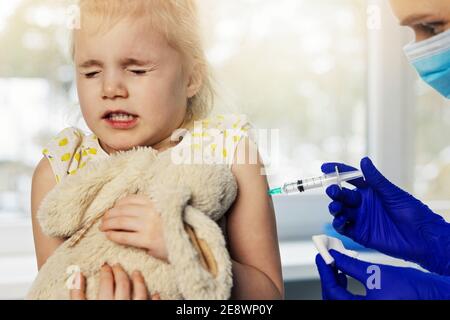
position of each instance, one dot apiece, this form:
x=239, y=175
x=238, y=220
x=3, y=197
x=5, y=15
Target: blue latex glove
x=379, y=215
x=394, y=283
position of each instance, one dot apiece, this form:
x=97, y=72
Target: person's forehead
x=124, y=38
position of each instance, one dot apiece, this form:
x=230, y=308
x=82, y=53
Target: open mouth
x=120, y=119
x=119, y=116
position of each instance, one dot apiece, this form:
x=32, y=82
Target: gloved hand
x=394, y=283
x=381, y=216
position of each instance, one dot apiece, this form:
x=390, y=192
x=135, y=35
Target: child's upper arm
x=251, y=222
x=43, y=182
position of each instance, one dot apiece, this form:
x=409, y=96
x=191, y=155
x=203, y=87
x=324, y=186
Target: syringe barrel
x=319, y=182
x=293, y=187
x=304, y=185
x=311, y=183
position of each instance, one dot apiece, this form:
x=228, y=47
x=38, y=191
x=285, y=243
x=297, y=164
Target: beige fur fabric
x=197, y=194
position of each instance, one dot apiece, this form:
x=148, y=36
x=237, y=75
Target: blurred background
x=330, y=75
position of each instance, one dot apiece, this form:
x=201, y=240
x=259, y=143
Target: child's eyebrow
x=123, y=62
x=135, y=62
x=90, y=63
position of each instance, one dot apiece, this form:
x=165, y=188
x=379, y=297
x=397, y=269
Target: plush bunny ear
x=194, y=280
x=61, y=212
x=197, y=278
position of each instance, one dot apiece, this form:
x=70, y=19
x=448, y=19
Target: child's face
x=131, y=68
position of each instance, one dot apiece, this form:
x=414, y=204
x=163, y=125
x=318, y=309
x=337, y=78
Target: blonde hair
x=177, y=21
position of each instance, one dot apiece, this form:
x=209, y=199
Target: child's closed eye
x=139, y=72
x=90, y=75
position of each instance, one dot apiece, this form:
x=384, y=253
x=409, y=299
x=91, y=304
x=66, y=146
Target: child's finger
x=127, y=210
x=79, y=290
x=132, y=198
x=139, y=287
x=106, y=285
x=120, y=223
x=125, y=238
x=122, y=287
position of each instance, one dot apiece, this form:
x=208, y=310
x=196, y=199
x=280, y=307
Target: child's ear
x=195, y=82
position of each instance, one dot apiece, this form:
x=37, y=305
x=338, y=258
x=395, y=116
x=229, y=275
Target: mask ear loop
x=338, y=177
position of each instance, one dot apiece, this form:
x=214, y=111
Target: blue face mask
x=431, y=58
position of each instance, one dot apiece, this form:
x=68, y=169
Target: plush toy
x=191, y=199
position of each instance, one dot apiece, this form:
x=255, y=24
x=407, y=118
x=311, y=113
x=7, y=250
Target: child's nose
x=113, y=88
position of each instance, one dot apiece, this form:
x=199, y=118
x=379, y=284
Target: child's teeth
x=121, y=117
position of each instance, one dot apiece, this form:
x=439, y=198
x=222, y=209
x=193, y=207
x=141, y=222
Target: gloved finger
x=342, y=279
x=376, y=180
x=350, y=198
x=335, y=208
x=352, y=267
x=326, y=272
x=351, y=232
x=330, y=167
x=339, y=223
x=331, y=290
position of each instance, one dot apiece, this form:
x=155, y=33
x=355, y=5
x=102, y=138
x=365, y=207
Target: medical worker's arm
x=380, y=281
x=252, y=234
x=379, y=215
x=43, y=182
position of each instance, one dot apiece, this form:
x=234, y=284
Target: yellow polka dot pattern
x=71, y=150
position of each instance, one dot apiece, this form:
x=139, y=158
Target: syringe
x=317, y=182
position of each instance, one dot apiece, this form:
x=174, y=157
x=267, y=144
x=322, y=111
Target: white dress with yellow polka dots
x=72, y=149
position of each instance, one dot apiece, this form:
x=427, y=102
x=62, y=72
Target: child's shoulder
x=218, y=136
x=69, y=151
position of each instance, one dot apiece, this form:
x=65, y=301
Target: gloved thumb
x=333, y=285
x=376, y=180
x=352, y=267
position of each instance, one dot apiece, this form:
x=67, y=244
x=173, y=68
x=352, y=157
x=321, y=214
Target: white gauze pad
x=325, y=243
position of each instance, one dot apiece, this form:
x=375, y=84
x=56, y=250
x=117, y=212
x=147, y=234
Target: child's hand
x=134, y=221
